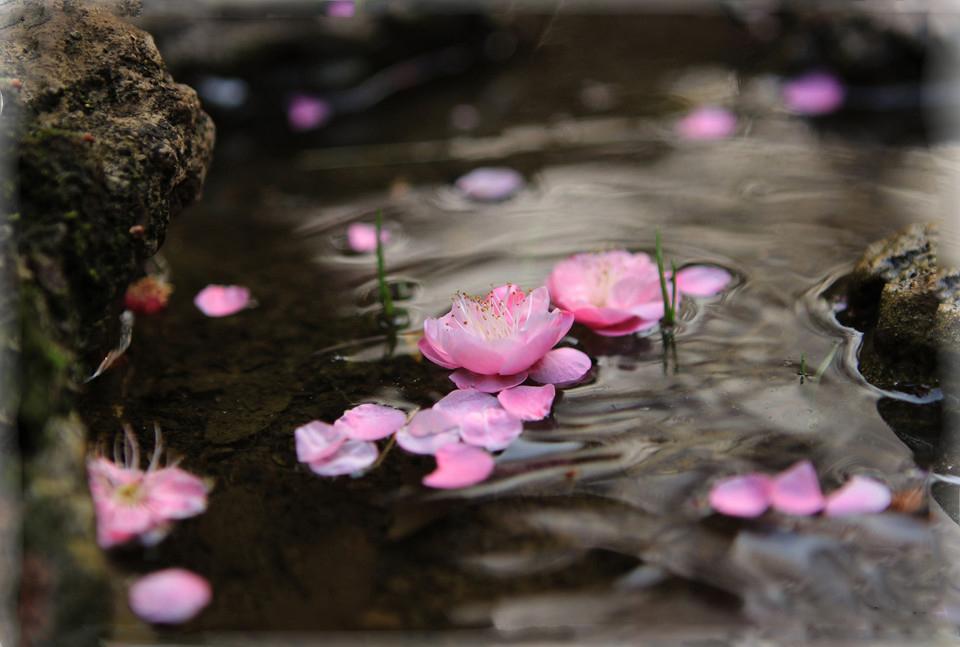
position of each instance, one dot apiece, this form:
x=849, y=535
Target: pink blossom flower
x=707, y=123
x=147, y=296
x=130, y=502
x=362, y=237
x=169, y=596
x=492, y=184
x=458, y=466
x=618, y=293
x=306, y=113
x=345, y=447
x=499, y=339
x=222, y=300
x=796, y=491
x=814, y=94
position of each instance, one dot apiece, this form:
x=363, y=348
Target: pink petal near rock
x=493, y=429
x=428, y=431
x=317, y=440
x=222, y=300
x=528, y=402
x=742, y=496
x=458, y=466
x=370, y=422
x=491, y=184
x=353, y=456
x=814, y=94
x=707, y=123
x=362, y=237
x=797, y=491
x=465, y=379
x=306, y=112
x=859, y=495
x=561, y=366
x=702, y=280
x=170, y=596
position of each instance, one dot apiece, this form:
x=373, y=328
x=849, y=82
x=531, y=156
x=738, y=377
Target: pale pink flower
x=223, y=300
x=458, y=466
x=362, y=237
x=818, y=93
x=796, y=491
x=169, y=596
x=618, y=293
x=707, y=123
x=490, y=184
x=130, y=502
x=306, y=113
x=499, y=339
x=345, y=447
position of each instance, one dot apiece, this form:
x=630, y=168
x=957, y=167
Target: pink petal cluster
x=147, y=296
x=618, y=293
x=346, y=446
x=497, y=341
x=130, y=502
x=169, y=596
x=223, y=300
x=492, y=184
x=306, y=113
x=817, y=93
x=707, y=123
x=796, y=491
x=362, y=237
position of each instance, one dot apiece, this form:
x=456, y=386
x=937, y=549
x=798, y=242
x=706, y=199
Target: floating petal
x=362, y=237
x=493, y=429
x=859, y=495
x=797, y=491
x=492, y=184
x=703, y=280
x=742, y=496
x=306, y=112
x=370, y=422
x=222, y=300
x=428, y=431
x=458, y=466
x=465, y=379
x=170, y=596
x=528, y=402
x=707, y=123
x=317, y=440
x=352, y=456
x=814, y=94
x=561, y=366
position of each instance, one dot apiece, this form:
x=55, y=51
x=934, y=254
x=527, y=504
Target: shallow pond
x=594, y=526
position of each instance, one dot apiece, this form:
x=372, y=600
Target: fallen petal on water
x=797, y=491
x=170, y=596
x=528, y=402
x=859, y=495
x=458, y=466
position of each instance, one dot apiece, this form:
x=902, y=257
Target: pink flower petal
x=170, y=596
x=493, y=429
x=460, y=402
x=370, y=422
x=702, y=280
x=172, y=493
x=707, y=123
x=465, y=379
x=814, y=94
x=362, y=237
x=797, y=490
x=628, y=327
x=341, y=8
x=428, y=431
x=528, y=402
x=490, y=184
x=306, y=112
x=859, y=495
x=352, y=456
x=458, y=466
x=317, y=440
x=434, y=354
x=222, y=300
x=561, y=366
x=742, y=496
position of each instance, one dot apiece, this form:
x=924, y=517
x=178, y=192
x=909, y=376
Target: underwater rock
x=103, y=148
x=909, y=307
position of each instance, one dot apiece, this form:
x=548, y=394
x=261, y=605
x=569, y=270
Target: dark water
x=594, y=527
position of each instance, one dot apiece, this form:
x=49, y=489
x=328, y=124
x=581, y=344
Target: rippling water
x=594, y=526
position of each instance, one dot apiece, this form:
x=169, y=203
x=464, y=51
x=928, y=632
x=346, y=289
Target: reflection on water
x=595, y=525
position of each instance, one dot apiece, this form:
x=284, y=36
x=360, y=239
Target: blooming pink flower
x=362, y=237
x=169, y=596
x=491, y=184
x=814, y=94
x=458, y=466
x=222, y=300
x=796, y=491
x=707, y=123
x=147, y=296
x=306, y=112
x=130, y=502
x=617, y=293
x=499, y=339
